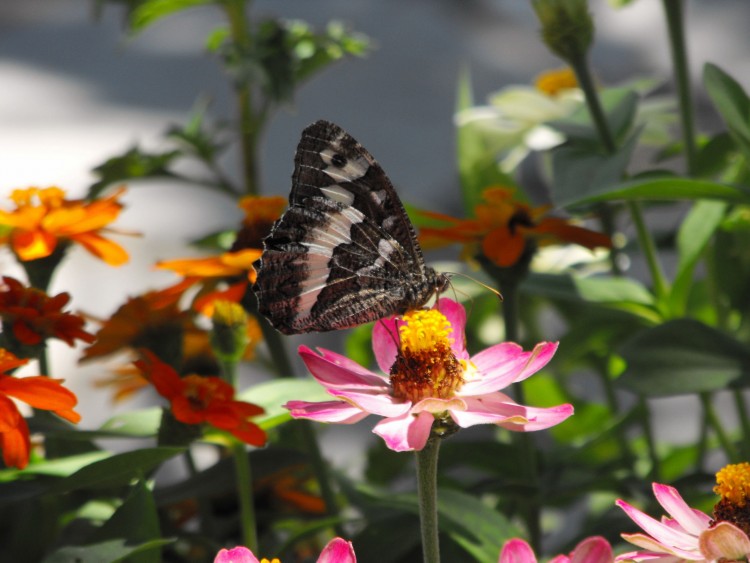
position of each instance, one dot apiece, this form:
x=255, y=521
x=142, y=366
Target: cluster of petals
x=197, y=399
x=43, y=218
x=502, y=227
x=336, y=551
x=33, y=316
x=687, y=534
x=594, y=549
x=406, y=425
x=41, y=392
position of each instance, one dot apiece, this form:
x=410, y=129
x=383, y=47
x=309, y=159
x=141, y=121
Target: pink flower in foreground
x=337, y=551
x=689, y=534
x=431, y=377
x=591, y=550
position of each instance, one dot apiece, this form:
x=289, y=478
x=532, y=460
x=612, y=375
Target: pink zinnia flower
x=690, y=535
x=591, y=550
x=431, y=378
x=337, y=551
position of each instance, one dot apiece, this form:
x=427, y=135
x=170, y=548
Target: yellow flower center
x=48, y=197
x=274, y=560
x=552, y=82
x=733, y=485
x=425, y=365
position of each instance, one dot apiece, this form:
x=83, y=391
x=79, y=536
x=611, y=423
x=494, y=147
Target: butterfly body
x=344, y=253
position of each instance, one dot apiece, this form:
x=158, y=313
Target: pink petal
x=381, y=404
x=559, y=559
x=406, y=432
x=647, y=556
x=499, y=409
x=725, y=542
x=236, y=555
x=335, y=371
x=456, y=315
x=676, y=540
x=338, y=551
x=653, y=546
x=385, y=339
x=691, y=520
x=595, y=549
x=339, y=412
x=506, y=363
x=516, y=551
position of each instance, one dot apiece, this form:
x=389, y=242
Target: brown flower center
x=733, y=484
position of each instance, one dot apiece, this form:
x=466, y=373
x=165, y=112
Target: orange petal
x=9, y=361
x=161, y=375
x=563, y=231
x=9, y=416
x=16, y=446
x=39, y=391
x=31, y=245
x=503, y=248
x=105, y=249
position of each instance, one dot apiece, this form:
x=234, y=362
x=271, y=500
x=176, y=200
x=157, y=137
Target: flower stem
x=427, y=461
x=245, y=495
x=249, y=124
x=661, y=286
x=715, y=423
x=673, y=10
x=648, y=431
x=586, y=82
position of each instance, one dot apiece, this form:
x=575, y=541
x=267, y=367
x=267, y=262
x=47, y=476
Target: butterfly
x=344, y=253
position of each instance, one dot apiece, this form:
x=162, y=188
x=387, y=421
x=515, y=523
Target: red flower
x=33, y=315
x=197, y=399
x=41, y=392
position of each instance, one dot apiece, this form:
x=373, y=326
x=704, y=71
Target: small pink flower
x=686, y=535
x=431, y=376
x=591, y=550
x=337, y=551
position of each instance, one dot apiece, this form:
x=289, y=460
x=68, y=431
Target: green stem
x=628, y=458
x=716, y=425
x=250, y=124
x=648, y=431
x=229, y=372
x=661, y=286
x=586, y=82
x=427, y=461
x=739, y=402
x=673, y=10
x=245, y=495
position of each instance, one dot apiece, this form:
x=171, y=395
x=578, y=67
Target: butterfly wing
x=345, y=252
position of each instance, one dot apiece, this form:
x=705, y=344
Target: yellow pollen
x=552, y=82
x=733, y=483
x=274, y=560
x=425, y=330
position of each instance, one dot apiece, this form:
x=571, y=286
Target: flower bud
x=567, y=27
x=229, y=334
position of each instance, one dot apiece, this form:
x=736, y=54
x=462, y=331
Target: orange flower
x=126, y=381
x=148, y=319
x=33, y=315
x=197, y=399
x=503, y=227
x=43, y=218
x=41, y=392
x=260, y=214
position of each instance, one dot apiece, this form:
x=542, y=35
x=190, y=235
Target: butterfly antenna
x=475, y=280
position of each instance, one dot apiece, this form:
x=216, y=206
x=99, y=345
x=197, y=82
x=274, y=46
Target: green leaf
x=112, y=551
x=136, y=521
x=731, y=102
x=662, y=188
x=582, y=171
x=273, y=395
x=695, y=232
x=683, y=356
x=133, y=164
x=58, y=467
x=151, y=11
x=619, y=105
x=116, y=470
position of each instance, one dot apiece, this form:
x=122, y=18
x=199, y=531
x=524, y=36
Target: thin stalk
x=661, y=285
x=673, y=10
x=586, y=82
x=648, y=431
x=614, y=407
x=715, y=423
x=229, y=372
x=245, y=496
x=739, y=402
x=249, y=123
x=427, y=461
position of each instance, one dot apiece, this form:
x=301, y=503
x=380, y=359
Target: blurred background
x=78, y=90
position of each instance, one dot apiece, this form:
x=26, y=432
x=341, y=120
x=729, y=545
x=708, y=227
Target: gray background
x=76, y=91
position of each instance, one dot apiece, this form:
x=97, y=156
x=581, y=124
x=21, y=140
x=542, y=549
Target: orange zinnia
x=43, y=218
x=196, y=399
x=41, y=392
x=33, y=316
x=144, y=320
x=504, y=226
